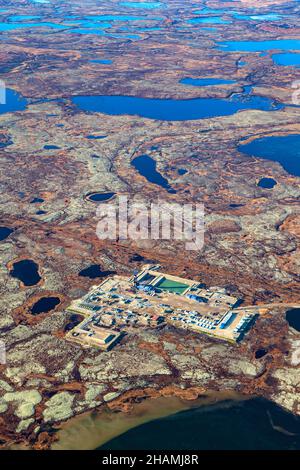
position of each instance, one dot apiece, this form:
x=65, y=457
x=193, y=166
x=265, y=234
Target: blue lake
x=284, y=150
x=23, y=18
x=100, y=197
x=146, y=5
x=267, y=183
x=205, y=81
x=239, y=16
x=259, y=46
x=287, y=58
x=209, y=20
x=173, y=110
x=101, y=61
x=14, y=102
x=146, y=166
x=13, y=26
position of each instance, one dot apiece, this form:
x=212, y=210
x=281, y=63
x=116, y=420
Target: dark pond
x=45, y=305
x=250, y=425
x=5, y=232
x=174, y=110
x=94, y=271
x=96, y=137
x=51, y=147
x=235, y=206
x=260, y=353
x=267, y=183
x=146, y=166
x=36, y=200
x=293, y=318
x=99, y=197
x=27, y=271
x=74, y=320
x=181, y=171
x=285, y=150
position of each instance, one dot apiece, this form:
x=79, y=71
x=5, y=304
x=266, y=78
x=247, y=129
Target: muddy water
x=93, y=429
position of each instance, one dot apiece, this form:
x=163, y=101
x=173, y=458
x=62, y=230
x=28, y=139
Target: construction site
x=152, y=299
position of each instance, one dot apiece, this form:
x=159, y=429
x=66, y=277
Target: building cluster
x=151, y=299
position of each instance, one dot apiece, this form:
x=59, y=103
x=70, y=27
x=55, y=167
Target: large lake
x=248, y=425
x=284, y=150
x=174, y=110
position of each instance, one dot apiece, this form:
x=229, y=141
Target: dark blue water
x=260, y=353
x=44, y=305
x=285, y=150
x=96, y=137
x=51, y=147
x=100, y=197
x=181, y=171
x=267, y=183
x=14, y=102
x=205, y=81
x=174, y=110
x=94, y=271
x=74, y=320
x=26, y=271
x=293, y=318
x=5, y=232
x=36, y=200
x=146, y=166
x=236, y=426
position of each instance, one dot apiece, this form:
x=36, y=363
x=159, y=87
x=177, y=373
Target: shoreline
x=92, y=429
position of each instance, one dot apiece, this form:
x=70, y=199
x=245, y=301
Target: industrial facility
x=151, y=299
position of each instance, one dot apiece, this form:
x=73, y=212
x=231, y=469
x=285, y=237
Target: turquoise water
x=208, y=20
x=90, y=24
x=174, y=110
x=23, y=18
x=288, y=58
x=146, y=5
x=13, y=26
x=239, y=16
x=284, y=150
x=101, y=61
x=251, y=425
x=259, y=46
x=205, y=81
x=267, y=17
